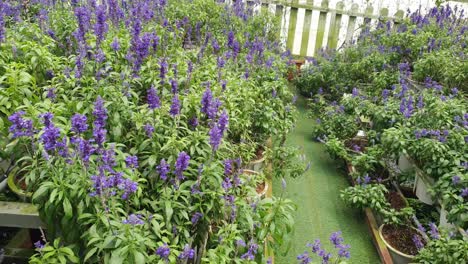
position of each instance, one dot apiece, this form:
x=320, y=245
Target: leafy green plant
x=54, y=253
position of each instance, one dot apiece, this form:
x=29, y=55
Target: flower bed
x=131, y=123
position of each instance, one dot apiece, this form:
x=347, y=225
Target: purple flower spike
x=153, y=98
x=434, y=232
x=182, y=164
x=133, y=219
x=79, y=123
x=163, y=169
x=20, y=127
x=149, y=130
x=175, y=106
x=196, y=217
x=187, y=253
x=163, y=251
x=131, y=162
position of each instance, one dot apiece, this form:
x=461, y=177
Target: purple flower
x=223, y=121
x=133, y=219
x=336, y=238
x=153, y=98
x=39, y=245
x=315, y=246
x=163, y=251
x=355, y=92
x=131, y=161
x=163, y=70
x=50, y=134
x=215, y=137
x=240, y=243
x=101, y=27
x=129, y=187
x=367, y=179
x=20, y=127
x=79, y=123
x=175, y=106
x=182, y=164
x=418, y=242
x=174, y=86
x=149, y=130
x=51, y=93
x=251, y=252
x=227, y=167
x=434, y=232
x=343, y=251
x=420, y=104
x=283, y=184
x=196, y=217
x=187, y=253
x=464, y=192
x=456, y=180
x=115, y=45
x=100, y=113
x=304, y=258
x=206, y=103
x=226, y=184
x=163, y=169
x=193, y=122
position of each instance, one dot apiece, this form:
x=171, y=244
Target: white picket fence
x=308, y=25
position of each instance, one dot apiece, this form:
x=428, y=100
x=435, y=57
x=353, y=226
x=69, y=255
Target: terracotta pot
x=16, y=188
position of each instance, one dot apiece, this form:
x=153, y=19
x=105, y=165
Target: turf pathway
x=320, y=211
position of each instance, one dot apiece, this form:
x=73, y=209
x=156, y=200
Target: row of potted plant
x=383, y=108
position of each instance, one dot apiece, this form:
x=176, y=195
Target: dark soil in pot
x=259, y=152
x=408, y=192
x=260, y=187
x=401, y=238
x=396, y=200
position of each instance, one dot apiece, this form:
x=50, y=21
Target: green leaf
x=67, y=208
x=139, y=257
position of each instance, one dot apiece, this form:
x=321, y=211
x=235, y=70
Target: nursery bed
x=320, y=209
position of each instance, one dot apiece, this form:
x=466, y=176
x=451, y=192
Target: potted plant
x=262, y=185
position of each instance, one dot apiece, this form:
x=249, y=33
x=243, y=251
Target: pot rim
x=265, y=189
x=14, y=188
x=392, y=248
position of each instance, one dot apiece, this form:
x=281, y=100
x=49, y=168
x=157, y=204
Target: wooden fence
x=309, y=25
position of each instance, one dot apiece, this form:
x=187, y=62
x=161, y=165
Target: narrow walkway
x=320, y=210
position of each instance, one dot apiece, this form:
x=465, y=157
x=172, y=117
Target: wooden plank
x=21, y=215
x=382, y=249
x=291, y=28
x=306, y=30
x=335, y=30
x=321, y=27
x=351, y=25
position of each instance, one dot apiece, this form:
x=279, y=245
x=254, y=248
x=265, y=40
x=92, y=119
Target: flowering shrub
x=132, y=121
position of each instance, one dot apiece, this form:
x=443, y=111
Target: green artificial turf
x=320, y=211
